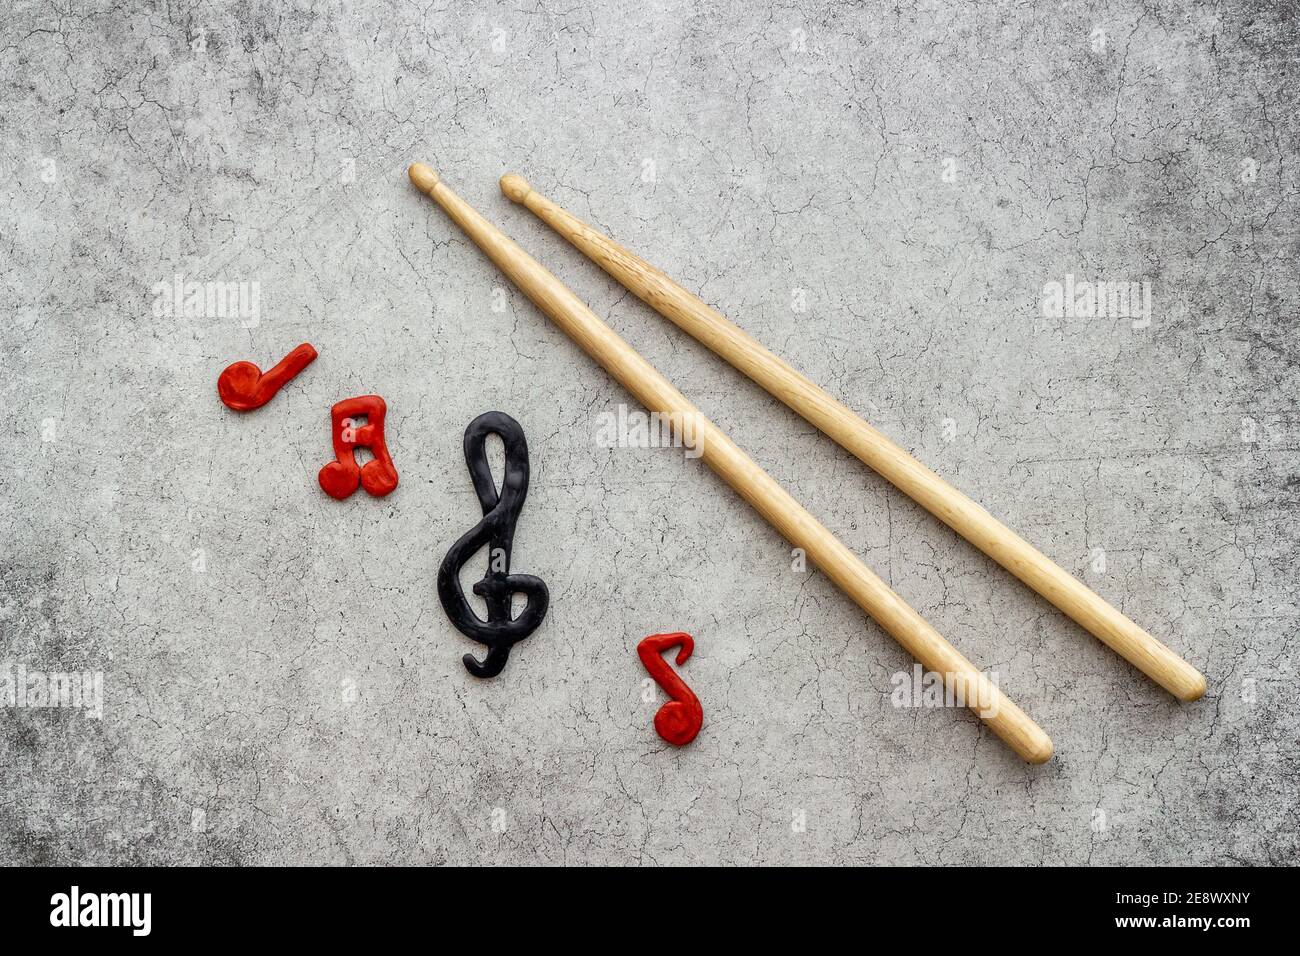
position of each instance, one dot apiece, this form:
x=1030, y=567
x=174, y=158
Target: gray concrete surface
x=880, y=192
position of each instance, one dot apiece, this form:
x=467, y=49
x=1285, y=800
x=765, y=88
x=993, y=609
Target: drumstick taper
x=941, y=499
x=753, y=484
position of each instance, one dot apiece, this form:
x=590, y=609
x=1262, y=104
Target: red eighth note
x=679, y=720
x=243, y=386
x=340, y=477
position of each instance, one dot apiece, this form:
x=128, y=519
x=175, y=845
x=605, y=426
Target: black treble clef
x=497, y=529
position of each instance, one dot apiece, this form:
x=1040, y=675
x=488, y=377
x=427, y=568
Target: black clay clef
x=497, y=531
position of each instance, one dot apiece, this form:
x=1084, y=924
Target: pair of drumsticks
x=791, y=519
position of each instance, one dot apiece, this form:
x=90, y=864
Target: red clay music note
x=679, y=720
x=243, y=386
x=340, y=477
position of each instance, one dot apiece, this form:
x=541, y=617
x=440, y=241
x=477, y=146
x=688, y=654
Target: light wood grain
x=838, y=422
x=785, y=514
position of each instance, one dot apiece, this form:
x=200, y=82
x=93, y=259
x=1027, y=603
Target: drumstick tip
x=515, y=187
x=1040, y=750
x=1192, y=688
x=423, y=177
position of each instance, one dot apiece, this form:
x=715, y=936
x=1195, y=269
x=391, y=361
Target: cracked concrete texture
x=878, y=192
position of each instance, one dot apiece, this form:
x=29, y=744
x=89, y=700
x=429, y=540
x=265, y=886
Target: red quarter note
x=243, y=386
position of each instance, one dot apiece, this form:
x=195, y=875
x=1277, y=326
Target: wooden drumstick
x=906, y=473
x=785, y=514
